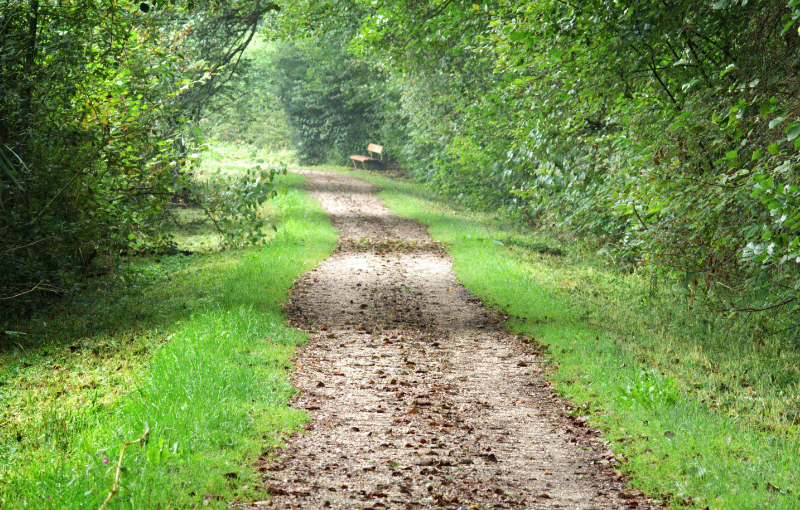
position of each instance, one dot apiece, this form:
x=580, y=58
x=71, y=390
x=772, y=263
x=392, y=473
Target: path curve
x=418, y=397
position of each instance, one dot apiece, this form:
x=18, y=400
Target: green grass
x=704, y=410
x=232, y=158
x=194, y=347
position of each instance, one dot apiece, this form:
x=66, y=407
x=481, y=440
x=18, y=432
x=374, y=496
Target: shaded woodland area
x=99, y=111
x=665, y=134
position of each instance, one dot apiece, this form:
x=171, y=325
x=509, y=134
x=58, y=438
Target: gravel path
x=418, y=397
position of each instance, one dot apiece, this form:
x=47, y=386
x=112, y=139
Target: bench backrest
x=377, y=149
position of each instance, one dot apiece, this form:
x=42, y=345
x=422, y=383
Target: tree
x=98, y=107
x=332, y=100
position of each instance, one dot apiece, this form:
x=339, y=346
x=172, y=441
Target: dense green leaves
x=247, y=110
x=666, y=134
x=98, y=106
x=332, y=100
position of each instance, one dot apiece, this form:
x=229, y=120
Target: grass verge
x=195, y=348
x=705, y=414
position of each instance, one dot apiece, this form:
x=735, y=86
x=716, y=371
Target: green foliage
x=247, y=110
x=664, y=134
x=233, y=202
x=98, y=105
x=650, y=391
x=333, y=101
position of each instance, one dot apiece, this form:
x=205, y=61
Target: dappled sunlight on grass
x=191, y=229
x=235, y=156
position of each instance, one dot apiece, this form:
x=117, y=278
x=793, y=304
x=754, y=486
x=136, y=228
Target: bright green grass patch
x=229, y=157
x=194, y=347
x=703, y=413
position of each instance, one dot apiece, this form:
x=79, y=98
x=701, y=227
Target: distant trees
x=333, y=100
x=247, y=110
x=98, y=104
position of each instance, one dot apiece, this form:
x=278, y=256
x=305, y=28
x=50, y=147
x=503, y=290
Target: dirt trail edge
x=419, y=398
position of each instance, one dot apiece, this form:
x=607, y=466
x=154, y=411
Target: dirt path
x=419, y=398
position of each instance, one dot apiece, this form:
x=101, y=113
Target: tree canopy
x=99, y=103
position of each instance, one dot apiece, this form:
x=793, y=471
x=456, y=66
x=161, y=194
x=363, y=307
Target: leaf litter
x=418, y=397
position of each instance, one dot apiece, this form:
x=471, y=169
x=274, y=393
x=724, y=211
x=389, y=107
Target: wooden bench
x=373, y=149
